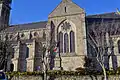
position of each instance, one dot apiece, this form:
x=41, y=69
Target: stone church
x=67, y=23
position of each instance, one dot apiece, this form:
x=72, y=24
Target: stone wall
x=27, y=78
x=86, y=77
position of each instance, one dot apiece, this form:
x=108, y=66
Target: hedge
x=61, y=72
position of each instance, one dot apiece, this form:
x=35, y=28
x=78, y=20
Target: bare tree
x=99, y=41
x=6, y=48
x=4, y=54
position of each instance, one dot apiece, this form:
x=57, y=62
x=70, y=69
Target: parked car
x=3, y=76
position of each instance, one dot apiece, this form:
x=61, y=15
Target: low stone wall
x=86, y=77
x=27, y=78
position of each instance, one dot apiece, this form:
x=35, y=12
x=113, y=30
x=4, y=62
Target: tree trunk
x=103, y=68
x=104, y=72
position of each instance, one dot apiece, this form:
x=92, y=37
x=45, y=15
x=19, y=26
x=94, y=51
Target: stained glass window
x=66, y=43
x=72, y=42
x=61, y=42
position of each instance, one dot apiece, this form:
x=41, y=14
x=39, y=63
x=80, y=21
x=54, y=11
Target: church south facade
x=66, y=24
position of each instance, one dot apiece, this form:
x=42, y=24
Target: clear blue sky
x=26, y=11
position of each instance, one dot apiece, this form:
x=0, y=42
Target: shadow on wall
x=114, y=57
x=38, y=65
x=110, y=58
x=22, y=63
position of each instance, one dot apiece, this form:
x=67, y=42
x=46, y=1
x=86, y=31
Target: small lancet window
x=72, y=41
x=27, y=52
x=119, y=46
x=65, y=10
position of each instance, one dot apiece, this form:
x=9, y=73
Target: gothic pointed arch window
x=61, y=42
x=66, y=43
x=72, y=41
x=118, y=46
x=66, y=36
x=52, y=30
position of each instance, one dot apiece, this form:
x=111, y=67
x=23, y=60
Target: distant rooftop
x=105, y=15
x=27, y=26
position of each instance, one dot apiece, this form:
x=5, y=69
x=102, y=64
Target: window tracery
x=65, y=26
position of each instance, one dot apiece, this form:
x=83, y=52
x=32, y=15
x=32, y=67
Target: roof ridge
x=27, y=23
x=101, y=14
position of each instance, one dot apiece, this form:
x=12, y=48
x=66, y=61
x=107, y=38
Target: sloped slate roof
x=27, y=26
x=105, y=15
x=110, y=19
